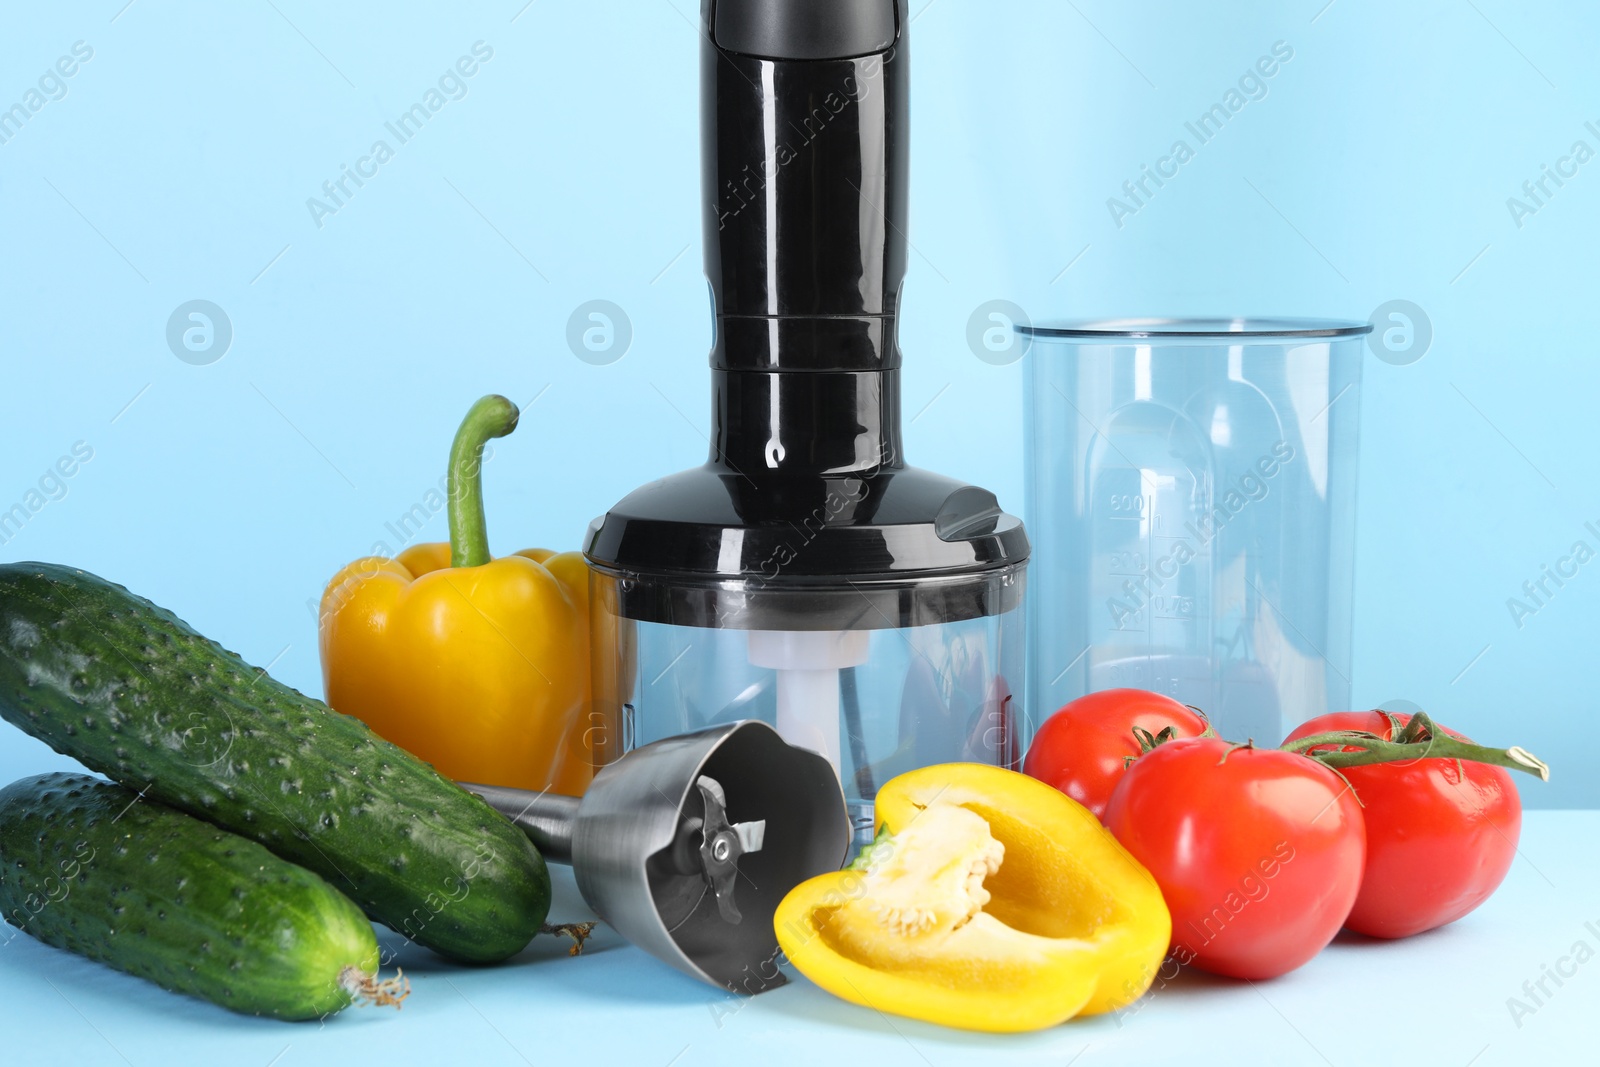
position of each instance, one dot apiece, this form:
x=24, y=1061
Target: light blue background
x=177, y=167
x=179, y=162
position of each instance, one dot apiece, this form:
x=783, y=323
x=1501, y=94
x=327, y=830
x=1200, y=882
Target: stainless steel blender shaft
x=709, y=845
x=547, y=818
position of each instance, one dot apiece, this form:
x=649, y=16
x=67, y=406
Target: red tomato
x=1441, y=833
x=1083, y=748
x=1258, y=852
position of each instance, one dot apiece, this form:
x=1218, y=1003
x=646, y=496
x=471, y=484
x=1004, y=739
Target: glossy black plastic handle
x=802, y=29
x=803, y=170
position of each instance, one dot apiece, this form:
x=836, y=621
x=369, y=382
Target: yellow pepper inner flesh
x=928, y=880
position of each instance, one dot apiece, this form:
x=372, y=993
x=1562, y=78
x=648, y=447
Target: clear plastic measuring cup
x=1191, y=498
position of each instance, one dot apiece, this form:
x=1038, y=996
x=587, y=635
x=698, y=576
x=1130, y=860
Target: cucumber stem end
x=367, y=988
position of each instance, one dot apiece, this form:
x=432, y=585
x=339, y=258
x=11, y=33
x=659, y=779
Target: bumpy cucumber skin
x=129, y=690
x=89, y=867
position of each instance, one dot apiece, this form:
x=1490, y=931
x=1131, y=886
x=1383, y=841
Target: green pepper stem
x=492, y=416
x=1419, y=739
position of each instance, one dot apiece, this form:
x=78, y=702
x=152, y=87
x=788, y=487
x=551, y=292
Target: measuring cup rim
x=1104, y=330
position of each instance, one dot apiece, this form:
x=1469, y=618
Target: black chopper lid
x=899, y=547
x=806, y=516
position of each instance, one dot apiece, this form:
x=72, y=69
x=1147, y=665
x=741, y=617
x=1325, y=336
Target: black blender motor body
x=805, y=575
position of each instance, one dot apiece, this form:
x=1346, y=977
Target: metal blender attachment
x=805, y=575
x=687, y=845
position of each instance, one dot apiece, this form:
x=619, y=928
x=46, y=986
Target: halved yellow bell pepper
x=989, y=901
x=478, y=665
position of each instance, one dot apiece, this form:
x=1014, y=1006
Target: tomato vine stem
x=1420, y=738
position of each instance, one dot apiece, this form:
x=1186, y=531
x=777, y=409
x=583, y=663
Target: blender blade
x=721, y=845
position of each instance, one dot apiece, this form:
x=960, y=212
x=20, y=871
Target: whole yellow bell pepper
x=479, y=666
x=989, y=901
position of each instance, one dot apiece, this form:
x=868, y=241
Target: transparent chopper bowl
x=876, y=701
x=1191, y=497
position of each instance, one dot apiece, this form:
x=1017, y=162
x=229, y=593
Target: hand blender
x=805, y=574
x=687, y=845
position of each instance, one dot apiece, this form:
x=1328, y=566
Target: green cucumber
x=129, y=690
x=89, y=867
